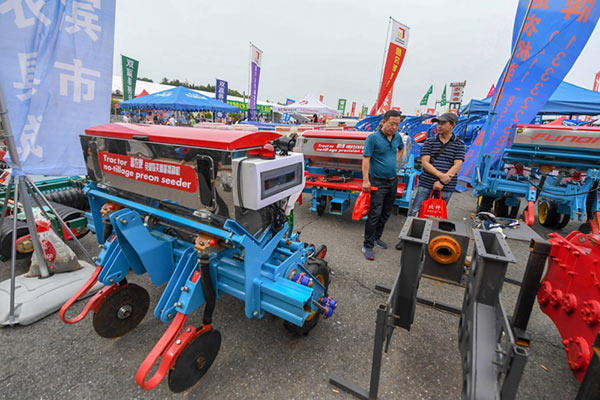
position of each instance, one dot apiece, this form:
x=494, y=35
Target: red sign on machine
x=174, y=176
x=338, y=148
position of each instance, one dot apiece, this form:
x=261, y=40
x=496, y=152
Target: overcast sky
x=329, y=47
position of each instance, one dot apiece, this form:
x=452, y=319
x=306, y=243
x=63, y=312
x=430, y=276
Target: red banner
x=392, y=66
x=321, y=98
x=597, y=83
x=492, y=90
x=385, y=106
x=353, y=108
x=174, y=176
x=393, y=62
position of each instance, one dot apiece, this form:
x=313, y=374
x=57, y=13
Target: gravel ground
x=260, y=359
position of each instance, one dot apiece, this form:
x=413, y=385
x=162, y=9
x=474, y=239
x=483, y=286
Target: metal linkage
x=492, y=360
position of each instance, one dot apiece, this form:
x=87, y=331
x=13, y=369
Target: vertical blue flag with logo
x=221, y=95
x=286, y=117
x=56, y=77
x=553, y=33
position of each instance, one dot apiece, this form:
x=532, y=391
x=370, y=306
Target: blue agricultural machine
x=556, y=166
x=204, y=212
x=333, y=170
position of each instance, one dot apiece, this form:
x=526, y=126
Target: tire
x=6, y=238
x=500, y=207
x=547, y=214
x=484, y=204
x=320, y=270
x=564, y=220
x=69, y=213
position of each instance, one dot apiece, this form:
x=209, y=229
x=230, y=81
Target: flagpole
x=249, y=79
x=385, y=48
x=492, y=112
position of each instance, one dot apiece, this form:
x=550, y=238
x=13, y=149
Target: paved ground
x=260, y=359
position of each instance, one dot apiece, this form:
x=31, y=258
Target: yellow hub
x=543, y=212
x=444, y=249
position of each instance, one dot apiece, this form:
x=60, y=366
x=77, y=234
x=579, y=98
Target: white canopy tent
x=307, y=105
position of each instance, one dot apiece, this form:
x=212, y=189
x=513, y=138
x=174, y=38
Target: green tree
x=145, y=79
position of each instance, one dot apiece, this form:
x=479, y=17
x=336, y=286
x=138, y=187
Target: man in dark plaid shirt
x=440, y=167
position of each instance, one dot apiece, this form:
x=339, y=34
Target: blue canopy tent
x=566, y=100
x=178, y=99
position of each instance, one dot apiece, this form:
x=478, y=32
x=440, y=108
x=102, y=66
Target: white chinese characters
x=27, y=63
x=83, y=18
x=77, y=80
x=28, y=139
x=35, y=8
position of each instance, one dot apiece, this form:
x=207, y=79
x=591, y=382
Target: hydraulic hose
x=209, y=290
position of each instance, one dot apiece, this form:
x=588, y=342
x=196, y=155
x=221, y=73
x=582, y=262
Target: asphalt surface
x=260, y=359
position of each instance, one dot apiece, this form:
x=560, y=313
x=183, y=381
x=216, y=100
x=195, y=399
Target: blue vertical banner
x=255, y=61
x=554, y=32
x=221, y=95
x=286, y=117
x=56, y=76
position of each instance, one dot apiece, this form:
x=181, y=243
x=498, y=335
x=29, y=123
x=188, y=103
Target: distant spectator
x=126, y=118
x=172, y=121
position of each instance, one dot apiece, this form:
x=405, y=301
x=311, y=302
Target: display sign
x=425, y=98
x=597, y=83
x=547, y=39
x=339, y=148
x=56, y=61
x=173, y=176
x=456, y=91
x=255, y=62
x=221, y=94
x=341, y=106
x=398, y=42
x=130, y=70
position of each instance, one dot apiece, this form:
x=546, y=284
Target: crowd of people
x=173, y=118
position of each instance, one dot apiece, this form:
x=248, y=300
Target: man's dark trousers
x=382, y=203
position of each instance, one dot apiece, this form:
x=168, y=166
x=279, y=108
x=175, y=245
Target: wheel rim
x=543, y=213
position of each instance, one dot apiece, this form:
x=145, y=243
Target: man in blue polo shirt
x=383, y=148
x=441, y=158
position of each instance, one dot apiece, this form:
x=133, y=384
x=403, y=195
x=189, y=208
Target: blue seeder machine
x=203, y=211
x=556, y=166
x=333, y=170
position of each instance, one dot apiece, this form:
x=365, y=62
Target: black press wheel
x=500, y=207
x=194, y=361
x=24, y=243
x=548, y=215
x=321, y=205
x=121, y=311
x=564, y=220
x=320, y=270
x=484, y=204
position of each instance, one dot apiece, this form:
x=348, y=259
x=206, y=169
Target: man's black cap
x=449, y=117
